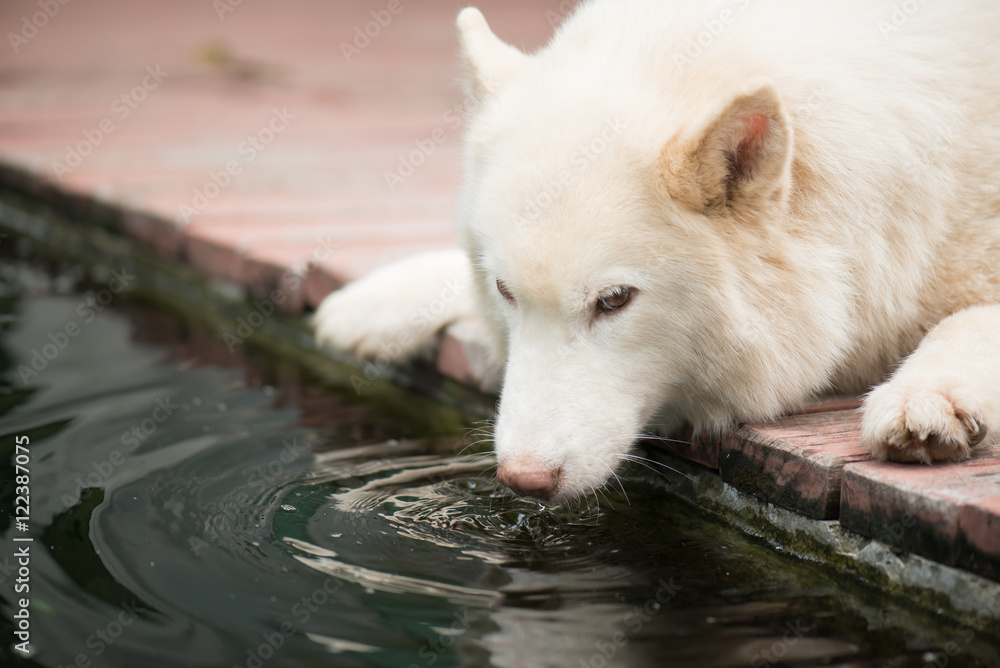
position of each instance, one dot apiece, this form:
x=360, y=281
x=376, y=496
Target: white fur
x=793, y=208
x=398, y=310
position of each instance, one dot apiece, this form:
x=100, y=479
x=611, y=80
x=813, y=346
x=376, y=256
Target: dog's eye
x=614, y=299
x=502, y=287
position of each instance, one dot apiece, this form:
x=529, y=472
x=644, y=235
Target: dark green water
x=193, y=507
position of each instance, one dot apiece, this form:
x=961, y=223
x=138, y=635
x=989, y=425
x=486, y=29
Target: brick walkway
x=244, y=138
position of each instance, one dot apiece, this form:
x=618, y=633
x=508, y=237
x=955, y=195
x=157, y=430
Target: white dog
x=712, y=212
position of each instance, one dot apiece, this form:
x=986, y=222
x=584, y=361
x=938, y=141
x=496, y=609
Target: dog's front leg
x=399, y=310
x=945, y=397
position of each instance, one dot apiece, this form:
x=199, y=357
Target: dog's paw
x=396, y=313
x=918, y=422
x=368, y=323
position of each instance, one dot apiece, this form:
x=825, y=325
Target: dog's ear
x=740, y=156
x=489, y=61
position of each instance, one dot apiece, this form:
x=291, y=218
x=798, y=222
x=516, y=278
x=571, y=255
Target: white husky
x=712, y=212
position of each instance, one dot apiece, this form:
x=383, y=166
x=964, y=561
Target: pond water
x=192, y=506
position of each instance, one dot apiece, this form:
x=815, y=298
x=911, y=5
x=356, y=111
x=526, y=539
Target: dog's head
x=614, y=231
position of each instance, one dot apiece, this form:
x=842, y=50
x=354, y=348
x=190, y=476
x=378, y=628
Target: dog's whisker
x=617, y=479
x=649, y=464
x=661, y=439
x=475, y=443
x=597, y=504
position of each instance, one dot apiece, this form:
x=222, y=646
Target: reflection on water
x=192, y=507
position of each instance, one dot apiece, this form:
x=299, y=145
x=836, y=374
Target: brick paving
x=243, y=138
